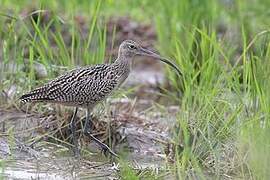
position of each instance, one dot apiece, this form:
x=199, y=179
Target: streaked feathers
x=79, y=87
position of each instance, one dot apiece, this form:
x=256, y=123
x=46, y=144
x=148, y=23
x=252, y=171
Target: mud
x=142, y=139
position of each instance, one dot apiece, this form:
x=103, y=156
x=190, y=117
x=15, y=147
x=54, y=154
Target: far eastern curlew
x=87, y=86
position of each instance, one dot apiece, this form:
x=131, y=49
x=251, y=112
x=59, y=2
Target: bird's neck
x=123, y=65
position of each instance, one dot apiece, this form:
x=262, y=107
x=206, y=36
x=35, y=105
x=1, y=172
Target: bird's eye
x=132, y=47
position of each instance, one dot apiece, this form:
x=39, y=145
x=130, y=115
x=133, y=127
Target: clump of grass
x=222, y=89
x=44, y=37
x=254, y=145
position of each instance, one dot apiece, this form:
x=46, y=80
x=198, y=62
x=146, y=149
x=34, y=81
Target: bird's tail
x=39, y=94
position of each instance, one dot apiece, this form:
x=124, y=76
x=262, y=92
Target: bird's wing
x=88, y=91
x=53, y=88
x=79, y=87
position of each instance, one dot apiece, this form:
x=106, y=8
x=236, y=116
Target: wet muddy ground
x=143, y=139
x=137, y=127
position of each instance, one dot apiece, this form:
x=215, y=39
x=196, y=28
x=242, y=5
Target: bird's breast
x=123, y=77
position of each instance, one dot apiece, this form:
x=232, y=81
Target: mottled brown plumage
x=82, y=87
x=87, y=86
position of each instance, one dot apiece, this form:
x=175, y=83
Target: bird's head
x=128, y=49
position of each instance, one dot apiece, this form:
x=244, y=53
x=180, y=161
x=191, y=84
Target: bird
x=85, y=87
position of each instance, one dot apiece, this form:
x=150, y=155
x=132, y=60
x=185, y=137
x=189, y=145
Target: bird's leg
x=88, y=122
x=87, y=131
x=73, y=131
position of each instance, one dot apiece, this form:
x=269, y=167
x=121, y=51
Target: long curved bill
x=146, y=52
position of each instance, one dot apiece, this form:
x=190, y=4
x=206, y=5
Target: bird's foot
x=104, y=148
